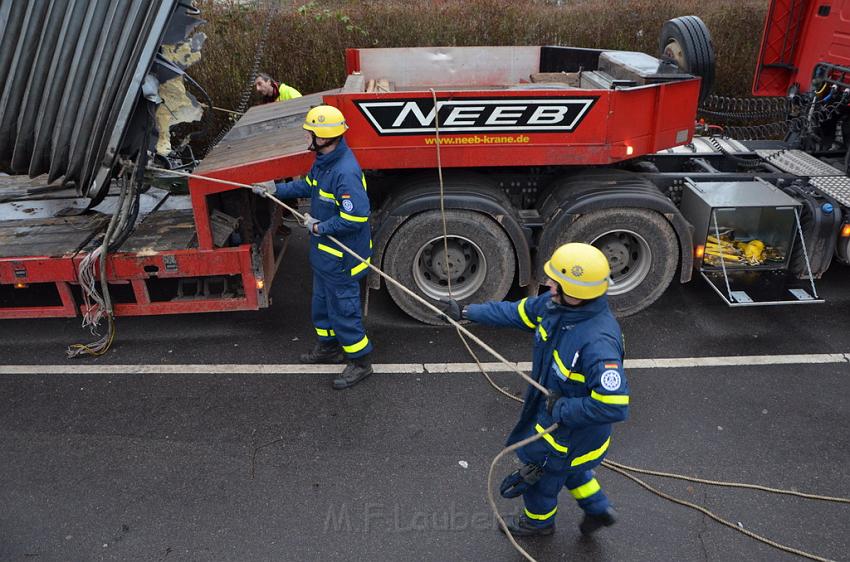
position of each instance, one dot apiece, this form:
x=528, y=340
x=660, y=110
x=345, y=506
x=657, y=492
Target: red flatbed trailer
x=491, y=115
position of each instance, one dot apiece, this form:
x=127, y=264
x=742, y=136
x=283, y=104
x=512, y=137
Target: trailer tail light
x=699, y=252
x=20, y=285
x=260, y=284
x=630, y=150
x=845, y=230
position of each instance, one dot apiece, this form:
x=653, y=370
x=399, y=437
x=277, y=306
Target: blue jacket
x=578, y=352
x=337, y=190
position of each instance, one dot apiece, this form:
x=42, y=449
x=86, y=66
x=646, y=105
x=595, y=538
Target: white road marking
x=408, y=368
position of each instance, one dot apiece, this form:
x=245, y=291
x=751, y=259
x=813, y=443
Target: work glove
x=309, y=223
x=451, y=308
x=551, y=400
x=264, y=189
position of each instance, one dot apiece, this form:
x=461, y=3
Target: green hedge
x=307, y=41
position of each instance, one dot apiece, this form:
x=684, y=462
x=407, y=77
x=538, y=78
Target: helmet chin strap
x=316, y=148
x=313, y=147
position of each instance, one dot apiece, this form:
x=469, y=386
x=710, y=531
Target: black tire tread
x=398, y=253
x=697, y=46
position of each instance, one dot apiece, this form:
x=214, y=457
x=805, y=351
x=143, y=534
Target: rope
x=611, y=465
x=490, y=498
x=711, y=515
x=387, y=278
x=446, y=249
x=223, y=109
x=615, y=465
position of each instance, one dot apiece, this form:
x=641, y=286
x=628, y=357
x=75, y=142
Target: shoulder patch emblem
x=611, y=380
x=347, y=205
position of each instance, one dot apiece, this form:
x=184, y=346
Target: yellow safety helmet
x=581, y=270
x=325, y=121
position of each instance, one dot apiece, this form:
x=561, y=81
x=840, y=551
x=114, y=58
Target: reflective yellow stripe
x=353, y=218
x=586, y=490
x=332, y=251
x=523, y=315
x=370, y=243
x=325, y=333
x=578, y=377
x=543, y=333
x=354, y=348
x=312, y=182
x=549, y=439
x=543, y=517
x=618, y=399
x=326, y=195
x=363, y=180
x=592, y=455
x=363, y=265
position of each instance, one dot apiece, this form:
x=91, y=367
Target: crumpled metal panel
x=70, y=75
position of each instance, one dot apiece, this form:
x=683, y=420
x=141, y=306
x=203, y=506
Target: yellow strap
x=540, y=517
x=617, y=399
x=523, y=315
x=325, y=333
x=363, y=265
x=353, y=218
x=592, y=455
x=586, y=490
x=549, y=439
x=354, y=348
x=328, y=249
x=578, y=377
x=542, y=332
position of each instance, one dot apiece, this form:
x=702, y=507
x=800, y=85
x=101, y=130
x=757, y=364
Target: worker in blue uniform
x=339, y=207
x=578, y=358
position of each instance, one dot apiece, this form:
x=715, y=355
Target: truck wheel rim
x=674, y=51
x=629, y=256
x=465, y=264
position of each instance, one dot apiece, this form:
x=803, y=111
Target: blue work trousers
x=541, y=499
x=337, y=316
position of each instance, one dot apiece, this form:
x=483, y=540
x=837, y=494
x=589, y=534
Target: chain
x=248, y=91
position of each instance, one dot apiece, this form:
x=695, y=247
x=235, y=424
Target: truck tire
x=687, y=42
x=641, y=247
x=481, y=261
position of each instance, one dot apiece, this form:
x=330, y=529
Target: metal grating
x=70, y=74
x=837, y=187
x=798, y=163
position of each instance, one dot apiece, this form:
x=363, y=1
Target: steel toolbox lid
x=741, y=194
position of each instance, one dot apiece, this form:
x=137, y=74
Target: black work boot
x=521, y=526
x=356, y=370
x=592, y=523
x=323, y=352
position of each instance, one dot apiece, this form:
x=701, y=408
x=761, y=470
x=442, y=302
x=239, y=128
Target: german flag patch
x=345, y=196
x=612, y=365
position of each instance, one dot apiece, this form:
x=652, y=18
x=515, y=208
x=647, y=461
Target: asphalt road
x=280, y=467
